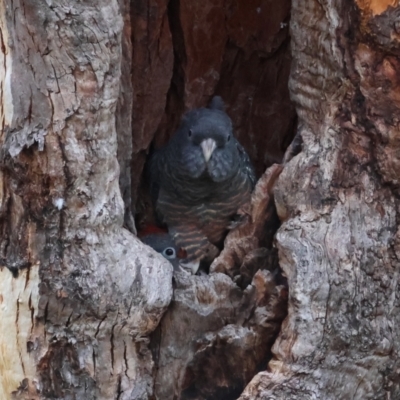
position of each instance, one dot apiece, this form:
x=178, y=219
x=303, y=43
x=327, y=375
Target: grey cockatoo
x=162, y=243
x=199, y=180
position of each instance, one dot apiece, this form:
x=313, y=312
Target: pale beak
x=208, y=146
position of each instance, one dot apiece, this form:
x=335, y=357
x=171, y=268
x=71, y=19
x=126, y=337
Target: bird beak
x=208, y=146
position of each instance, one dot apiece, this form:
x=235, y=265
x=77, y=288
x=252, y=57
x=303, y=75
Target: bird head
x=162, y=243
x=205, y=146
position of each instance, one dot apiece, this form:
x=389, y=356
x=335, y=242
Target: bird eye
x=190, y=133
x=169, y=253
x=228, y=138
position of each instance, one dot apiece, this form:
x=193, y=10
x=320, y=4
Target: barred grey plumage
x=162, y=243
x=200, y=179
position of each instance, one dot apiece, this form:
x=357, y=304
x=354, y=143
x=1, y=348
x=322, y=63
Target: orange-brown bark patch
x=376, y=7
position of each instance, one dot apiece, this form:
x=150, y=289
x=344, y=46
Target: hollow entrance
x=219, y=329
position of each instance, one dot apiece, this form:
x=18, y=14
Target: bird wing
x=246, y=165
x=194, y=242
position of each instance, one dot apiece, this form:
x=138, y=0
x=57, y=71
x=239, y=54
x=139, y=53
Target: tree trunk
x=80, y=294
x=339, y=200
x=88, y=312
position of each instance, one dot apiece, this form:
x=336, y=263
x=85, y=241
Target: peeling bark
x=339, y=199
x=210, y=325
x=85, y=292
x=88, y=312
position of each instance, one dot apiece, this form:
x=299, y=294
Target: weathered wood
x=86, y=292
x=255, y=229
x=215, y=336
x=339, y=201
x=212, y=323
x=80, y=295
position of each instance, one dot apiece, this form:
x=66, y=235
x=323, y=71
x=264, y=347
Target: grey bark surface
x=339, y=203
x=80, y=296
x=84, y=305
x=85, y=293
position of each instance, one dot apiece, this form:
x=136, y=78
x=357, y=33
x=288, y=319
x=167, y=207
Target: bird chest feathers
x=200, y=179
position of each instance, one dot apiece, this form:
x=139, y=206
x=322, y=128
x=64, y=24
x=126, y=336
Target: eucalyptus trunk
x=79, y=294
x=88, y=312
x=339, y=204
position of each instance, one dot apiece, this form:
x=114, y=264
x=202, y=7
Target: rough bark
x=80, y=296
x=339, y=203
x=183, y=53
x=84, y=293
x=218, y=331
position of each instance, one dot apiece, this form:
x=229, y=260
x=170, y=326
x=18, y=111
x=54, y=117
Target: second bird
x=199, y=180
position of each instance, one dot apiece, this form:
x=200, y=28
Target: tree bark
x=339, y=203
x=88, y=312
x=85, y=293
x=79, y=295
x=218, y=331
